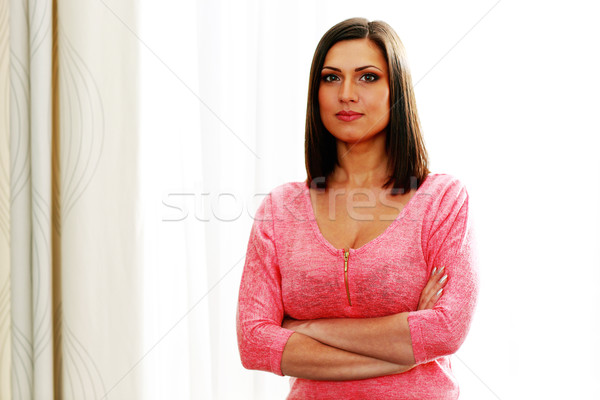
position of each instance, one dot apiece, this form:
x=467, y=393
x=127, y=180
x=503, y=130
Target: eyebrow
x=356, y=70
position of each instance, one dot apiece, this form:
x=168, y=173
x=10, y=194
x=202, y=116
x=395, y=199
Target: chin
x=355, y=138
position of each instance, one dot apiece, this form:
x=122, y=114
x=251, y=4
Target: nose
x=347, y=92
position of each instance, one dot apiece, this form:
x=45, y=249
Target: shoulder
x=288, y=190
x=446, y=208
x=443, y=182
x=444, y=187
x=286, y=200
x=444, y=193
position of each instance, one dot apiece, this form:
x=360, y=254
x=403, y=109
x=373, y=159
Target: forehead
x=355, y=53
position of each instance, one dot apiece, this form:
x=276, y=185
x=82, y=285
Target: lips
x=348, y=115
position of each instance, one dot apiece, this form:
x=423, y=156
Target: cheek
x=381, y=102
x=323, y=99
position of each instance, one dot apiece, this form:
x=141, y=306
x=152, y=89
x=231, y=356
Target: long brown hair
x=407, y=157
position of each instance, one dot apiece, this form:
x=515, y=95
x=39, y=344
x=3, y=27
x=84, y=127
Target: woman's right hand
x=433, y=290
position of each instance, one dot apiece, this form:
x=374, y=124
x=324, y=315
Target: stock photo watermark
x=206, y=206
x=229, y=206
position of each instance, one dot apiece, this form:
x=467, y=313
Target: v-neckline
x=372, y=242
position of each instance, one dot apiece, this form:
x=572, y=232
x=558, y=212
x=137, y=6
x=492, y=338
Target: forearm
x=305, y=357
x=384, y=338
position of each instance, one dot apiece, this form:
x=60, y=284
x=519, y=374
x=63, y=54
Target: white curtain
x=27, y=186
x=4, y=206
x=70, y=289
x=211, y=146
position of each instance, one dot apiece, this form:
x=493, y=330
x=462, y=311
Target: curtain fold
x=70, y=236
x=31, y=199
x=5, y=348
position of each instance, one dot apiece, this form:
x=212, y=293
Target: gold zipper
x=346, y=256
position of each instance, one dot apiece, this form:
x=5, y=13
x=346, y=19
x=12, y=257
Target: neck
x=361, y=164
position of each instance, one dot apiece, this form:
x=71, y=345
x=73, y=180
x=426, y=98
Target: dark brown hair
x=404, y=143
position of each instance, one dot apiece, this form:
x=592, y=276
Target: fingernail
x=433, y=272
x=444, y=278
x=439, y=292
x=441, y=269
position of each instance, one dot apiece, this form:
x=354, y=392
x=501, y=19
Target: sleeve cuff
x=277, y=351
x=416, y=337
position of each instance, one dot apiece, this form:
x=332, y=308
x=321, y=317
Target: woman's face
x=354, y=93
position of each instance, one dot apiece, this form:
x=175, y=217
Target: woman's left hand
x=433, y=290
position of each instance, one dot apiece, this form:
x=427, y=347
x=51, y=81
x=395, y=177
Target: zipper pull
x=346, y=256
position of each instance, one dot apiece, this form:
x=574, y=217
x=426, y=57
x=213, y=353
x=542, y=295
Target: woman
x=360, y=282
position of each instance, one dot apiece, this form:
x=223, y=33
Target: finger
x=428, y=290
x=433, y=279
x=431, y=292
x=433, y=299
x=442, y=281
x=438, y=288
x=437, y=280
x=434, y=289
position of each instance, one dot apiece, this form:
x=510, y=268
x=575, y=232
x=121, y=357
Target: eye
x=369, y=77
x=329, y=78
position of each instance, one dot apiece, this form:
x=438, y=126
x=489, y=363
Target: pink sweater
x=292, y=270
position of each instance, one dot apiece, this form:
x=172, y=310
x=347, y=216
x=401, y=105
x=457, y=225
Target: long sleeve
x=447, y=240
x=261, y=339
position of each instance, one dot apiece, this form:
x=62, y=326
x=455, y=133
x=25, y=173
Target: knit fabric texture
x=292, y=270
